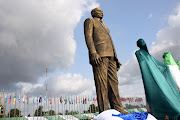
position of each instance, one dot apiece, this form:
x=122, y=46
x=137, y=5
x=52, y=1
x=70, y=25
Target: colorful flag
x=45, y=99
x=14, y=99
x=61, y=100
x=85, y=100
x=37, y=100
x=50, y=101
x=19, y=99
x=54, y=100
x=65, y=100
x=94, y=100
x=5, y=99
x=24, y=99
x=27, y=99
x=40, y=99
x=33, y=98
x=9, y=99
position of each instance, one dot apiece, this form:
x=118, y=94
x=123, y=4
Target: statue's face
x=98, y=13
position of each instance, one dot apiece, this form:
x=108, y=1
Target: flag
x=37, y=100
x=76, y=99
x=27, y=99
x=14, y=99
x=40, y=99
x=33, y=98
x=5, y=99
x=45, y=99
x=19, y=99
x=50, y=101
x=69, y=100
x=94, y=100
x=9, y=99
x=85, y=100
x=61, y=100
x=65, y=100
x=54, y=100
x=24, y=99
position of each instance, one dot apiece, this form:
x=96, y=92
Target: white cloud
x=66, y=84
x=37, y=34
x=149, y=16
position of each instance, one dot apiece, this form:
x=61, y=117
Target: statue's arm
x=88, y=33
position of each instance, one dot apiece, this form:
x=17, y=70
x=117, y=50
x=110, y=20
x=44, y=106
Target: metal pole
x=4, y=107
x=15, y=106
x=46, y=83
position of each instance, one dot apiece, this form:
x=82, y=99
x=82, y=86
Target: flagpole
x=37, y=106
x=58, y=107
x=48, y=106
x=44, y=107
x=33, y=105
x=46, y=83
x=19, y=103
x=10, y=105
x=51, y=107
x=24, y=104
x=4, y=104
x=15, y=105
x=55, y=106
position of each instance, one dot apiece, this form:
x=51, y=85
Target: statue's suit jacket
x=98, y=39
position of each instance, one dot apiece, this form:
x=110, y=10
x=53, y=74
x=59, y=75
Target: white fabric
x=176, y=74
x=107, y=115
x=35, y=118
x=150, y=117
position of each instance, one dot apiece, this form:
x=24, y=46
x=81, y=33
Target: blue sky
x=43, y=33
x=128, y=21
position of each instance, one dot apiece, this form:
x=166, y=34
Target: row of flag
x=81, y=100
x=65, y=100
x=131, y=99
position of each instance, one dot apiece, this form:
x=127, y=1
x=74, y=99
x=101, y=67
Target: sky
x=40, y=34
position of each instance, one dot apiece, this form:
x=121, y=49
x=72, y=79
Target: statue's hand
x=118, y=65
x=96, y=59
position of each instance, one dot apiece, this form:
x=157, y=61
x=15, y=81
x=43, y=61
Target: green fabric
x=130, y=110
x=12, y=118
x=140, y=110
x=96, y=114
x=81, y=116
x=54, y=118
x=178, y=63
x=168, y=59
x=160, y=88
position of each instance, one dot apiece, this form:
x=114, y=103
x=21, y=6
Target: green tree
x=15, y=112
x=52, y=112
x=93, y=108
x=39, y=111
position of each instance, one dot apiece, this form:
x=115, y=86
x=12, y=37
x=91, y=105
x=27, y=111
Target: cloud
x=167, y=39
x=35, y=35
x=66, y=84
x=149, y=16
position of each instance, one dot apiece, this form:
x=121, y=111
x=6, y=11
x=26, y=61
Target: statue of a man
x=103, y=58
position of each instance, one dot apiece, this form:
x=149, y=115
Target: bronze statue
x=103, y=58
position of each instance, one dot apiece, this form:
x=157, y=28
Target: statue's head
x=142, y=44
x=97, y=12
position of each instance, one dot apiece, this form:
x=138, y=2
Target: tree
x=15, y=112
x=52, y=112
x=39, y=111
x=93, y=108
